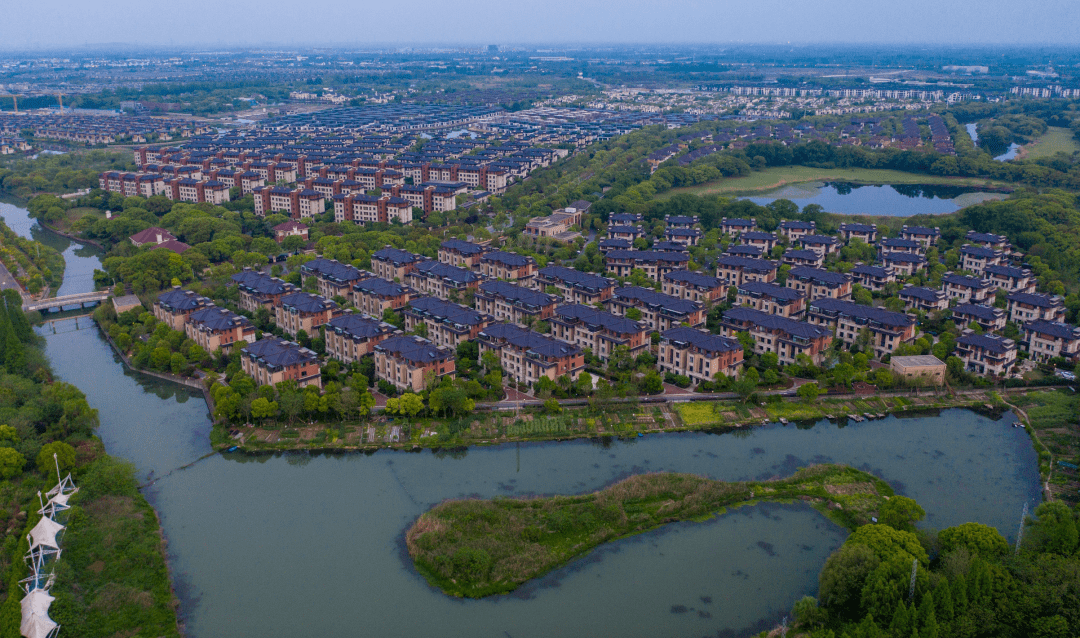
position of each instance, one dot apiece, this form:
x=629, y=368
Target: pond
x=895, y=200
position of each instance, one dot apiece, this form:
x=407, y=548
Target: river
x=301, y=545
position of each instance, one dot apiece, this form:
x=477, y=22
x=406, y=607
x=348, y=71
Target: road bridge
x=78, y=299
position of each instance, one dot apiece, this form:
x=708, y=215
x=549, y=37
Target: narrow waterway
x=301, y=545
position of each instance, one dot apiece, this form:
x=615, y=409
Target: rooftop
x=414, y=349
x=701, y=339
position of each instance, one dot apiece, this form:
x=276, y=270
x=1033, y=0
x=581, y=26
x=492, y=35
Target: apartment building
x=499, y=264
x=509, y=302
x=527, y=356
x=794, y=229
x=575, y=286
x=986, y=354
x=816, y=283
x=699, y=354
x=866, y=233
x=1010, y=278
x=925, y=236
x=658, y=311
x=989, y=318
x=975, y=258
x=216, y=328
x=904, y=264
x=460, y=253
x=925, y=299
x=185, y=189
x=966, y=289
x=294, y=202
x=598, y=331
x=376, y=295
x=772, y=333
x=431, y=198
x=350, y=336
x=394, y=264
x=174, y=307
x=448, y=324
x=873, y=277
x=332, y=277
x=735, y=270
x=1045, y=340
x=272, y=360
x=362, y=209
x=304, y=311
x=772, y=299
x=694, y=286
x=847, y=319
x=412, y=363
x=1029, y=306
x=655, y=264
x=442, y=280
x=259, y=290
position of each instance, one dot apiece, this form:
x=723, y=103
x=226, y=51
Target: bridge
x=56, y=303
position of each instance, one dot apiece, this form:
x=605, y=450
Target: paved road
x=8, y=282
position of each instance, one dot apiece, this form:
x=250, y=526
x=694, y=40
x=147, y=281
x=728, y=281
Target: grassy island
x=475, y=548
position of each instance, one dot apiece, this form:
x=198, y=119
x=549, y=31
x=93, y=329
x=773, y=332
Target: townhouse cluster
x=106, y=128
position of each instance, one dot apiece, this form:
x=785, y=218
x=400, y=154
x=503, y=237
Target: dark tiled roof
x=859, y=311
x=446, y=271
x=1007, y=271
x=218, y=319
x=181, y=300
x=576, y=278
x=819, y=275
x=873, y=271
x=625, y=230
x=333, y=270
x=381, y=287
x=746, y=223
x=414, y=349
x=979, y=251
x=618, y=244
x=447, y=311
x=776, y=322
x=897, y=242
x=1035, y=299
x=1054, y=329
x=598, y=318
x=657, y=300
x=926, y=294
x=358, y=326
x=986, y=313
x=964, y=281
x=260, y=283
x=279, y=353
x=516, y=293
x=906, y=258
x=746, y=263
x=531, y=341
x=508, y=259
x=693, y=278
x=802, y=254
x=858, y=228
x=791, y=224
x=768, y=289
x=668, y=247
x=757, y=234
x=921, y=230
x=648, y=255
x=985, y=237
x=681, y=220
x=307, y=302
x=817, y=240
x=463, y=247
x=745, y=251
x=992, y=343
x=396, y=256
x=685, y=232
x=701, y=339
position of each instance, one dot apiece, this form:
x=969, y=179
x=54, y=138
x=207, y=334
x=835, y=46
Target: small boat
x=640, y=434
x=880, y=415
x=830, y=417
x=783, y=420
x=232, y=449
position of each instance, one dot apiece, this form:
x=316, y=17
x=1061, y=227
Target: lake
x=897, y=200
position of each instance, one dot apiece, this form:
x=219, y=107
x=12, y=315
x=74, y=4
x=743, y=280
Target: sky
x=46, y=24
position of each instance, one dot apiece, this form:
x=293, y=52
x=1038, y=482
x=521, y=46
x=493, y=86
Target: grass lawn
x=776, y=177
x=1055, y=140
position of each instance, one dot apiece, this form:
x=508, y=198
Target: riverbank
x=476, y=548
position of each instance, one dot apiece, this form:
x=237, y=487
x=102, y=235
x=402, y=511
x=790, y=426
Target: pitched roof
x=693, y=278
x=380, y=287
x=1038, y=300
x=655, y=299
x=358, y=326
x=463, y=247
x=447, y=311
x=926, y=294
x=307, y=302
x=819, y=275
x=978, y=310
x=515, y=293
x=279, y=353
x=414, y=349
x=445, y=271
x=576, y=278
x=776, y=322
x=701, y=339
x=1054, y=329
x=964, y=281
x=333, y=270
x=180, y=300
x=529, y=340
x=217, y=319
x=647, y=255
x=993, y=343
x=598, y=319
x=396, y=256
x=150, y=235
x=746, y=263
x=859, y=311
x=509, y=259
x=776, y=291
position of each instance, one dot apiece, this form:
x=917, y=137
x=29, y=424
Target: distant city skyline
x=57, y=24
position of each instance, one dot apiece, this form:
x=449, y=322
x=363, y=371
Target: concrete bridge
x=56, y=303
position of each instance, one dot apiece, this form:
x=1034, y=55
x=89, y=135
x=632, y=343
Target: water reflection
x=897, y=200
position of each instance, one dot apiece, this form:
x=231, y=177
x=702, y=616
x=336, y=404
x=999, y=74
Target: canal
x=313, y=545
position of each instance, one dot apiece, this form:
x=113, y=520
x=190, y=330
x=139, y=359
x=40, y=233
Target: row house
x=463, y=254
x=527, y=356
x=376, y=295
x=808, y=258
x=132, y=184
x=259, y=290
x=185, y=189
x=794, y=230
x=655, y=264
x=394, y=264
x=332, y=277
x=760, y=239
x=509, y=302
x=694, y=286
x=330, y=187
x=1045, y=340
x=901, y=245
x=925, y=299
x=699, y=354
x=294, y=202
x=447, y=324
x=575, y=286
x=626, y=233
x=499, y=264
x=735, y=270
x=1010, y=278
x=412, y=363
x=271, y=171
x=986, y=354
x=904, y=264
x=683, y=236
x=735, y=226
x=1029, y=306
x=598, y=330
x=817, y=283
x=989, y=318
x=966, y=289
x=364, y=209
x=987, y=240
x=678, y=221
x=821, y=244
x=175, y=306
x=976, y=258
x=350, y=336
x=442, y=280
x=216, y=328
x=848, y=319
x=866, y=233
x=273, y=360
x=658, y=311
x=785, y=337
x=873, y=277
x=304, y=311
x=772, y=298
x=925, y=236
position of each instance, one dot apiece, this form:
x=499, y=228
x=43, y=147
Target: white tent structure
x=44, y=544
x=36, y=603
x=44, y=534
x=34, y=626
x=40, y=577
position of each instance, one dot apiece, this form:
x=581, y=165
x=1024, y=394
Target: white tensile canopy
x=35, y=626
x=44, y=533
x=37, y=603
x=65, y=486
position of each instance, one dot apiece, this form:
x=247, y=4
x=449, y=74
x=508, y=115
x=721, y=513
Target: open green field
x=778, y=176
x=1056, y=140
x=475, y=548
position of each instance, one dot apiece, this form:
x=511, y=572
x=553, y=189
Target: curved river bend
x=300, y=545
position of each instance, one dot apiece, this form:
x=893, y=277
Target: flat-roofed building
x=442, y=280
x=795, y=229
x=1010, y=278
x=555, y=224
x=304, y=311
x=735, y=270
x=848, y=319
x=926, y=366
x=922, y=234
x=808, y=258
x=655, y=264
x=866, y=233
x=658, y=311
x=694, y=286
x=925, y=299
x=1045, y=340
x=1027, y=306
x=698, y=354
x=216, y=328
x=873, y=277
x=528, y=356
x=821, y=244
x=510, y=302
x=376, y=295
x=175, y=306
x=787, y=338
x=499, y=264
x=966, y=289
x=989, y=318
x=463, y=254
x=394, y=263
x=333, y=277
x=772, y=298
x=598, y=330
x=259, y=290
x=761, y=239
x=412, y=363
x=448, y=324
x=575, y=286
x=350, y=336
x=272, y=360
x=735, y=226
x=976, y=258
x=904, y=264
x=817, y=283
x=986, y=354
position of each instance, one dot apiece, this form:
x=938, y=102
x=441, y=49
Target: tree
x=808, y=392
x=1056, y=529
x=261, y=408
x=410, y=404
x=65, y=456
x=551, y=406
x=11, y=463
x=583, y=386
x=901, y=512
x=841, y=581
x=888, y=542
x=634, y=314
x=652, y=383
x=746, y=384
